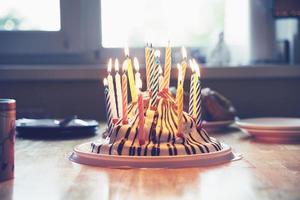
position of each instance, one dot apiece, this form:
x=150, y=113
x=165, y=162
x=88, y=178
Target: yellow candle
x=130, y=76
x=196, y=78
x=179, y=102
x=168, y=63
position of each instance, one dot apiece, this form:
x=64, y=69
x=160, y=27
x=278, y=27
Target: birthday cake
x=161, y=130
x=153, y=129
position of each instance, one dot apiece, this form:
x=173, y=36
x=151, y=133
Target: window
x=16, y=15
x=49, y=31
x=184, y=22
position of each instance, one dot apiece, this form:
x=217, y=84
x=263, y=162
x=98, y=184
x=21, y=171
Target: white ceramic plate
x=271, y=123
x=280, y=136
x=83, y=155
x=217, y=125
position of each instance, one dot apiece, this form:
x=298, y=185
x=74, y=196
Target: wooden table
x=43, y=171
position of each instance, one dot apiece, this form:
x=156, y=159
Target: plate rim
x=242, y=124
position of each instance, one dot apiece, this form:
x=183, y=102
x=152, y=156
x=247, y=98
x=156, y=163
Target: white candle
x=111, y=90
x=118, y=89
x=161, y=79
x=108, y=107
x=137, y=74
x=124, y=93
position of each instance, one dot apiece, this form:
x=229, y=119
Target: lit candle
x=168, y=63
x=161, y=78
x=192, y=81
x=151, y=65
x=108, y=107
x=111, y=90
x=118, y=89
x=197, y=95
x=154, y=84
x=137, y=68
x=141, y=129
x=147, y=58
x=124, y=93
x=183, y=63
x=130, y=76
x=178, y=78
x=179, y=102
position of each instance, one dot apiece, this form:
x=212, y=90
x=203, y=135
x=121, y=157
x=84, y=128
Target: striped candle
x=154, y=76
x=179, y=103
x=130, y=76
x=151, y=66
x=108, y=108
x=147, y=59
x=197, y=96
x=167, y=69
x=141, y=129
x=118, y=89
x=183, y=63
x=160, y=79
x=191, y=100
x=124, y=93
x=111, y=90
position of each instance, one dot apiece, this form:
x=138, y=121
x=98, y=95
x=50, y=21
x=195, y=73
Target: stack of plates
x=272, y=129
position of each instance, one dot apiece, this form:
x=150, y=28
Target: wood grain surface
x=43, y=171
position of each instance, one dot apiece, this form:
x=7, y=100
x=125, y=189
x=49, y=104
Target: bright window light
x=30, y=15
x=183, y=22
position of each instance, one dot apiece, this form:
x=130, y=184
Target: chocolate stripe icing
x=160, y=131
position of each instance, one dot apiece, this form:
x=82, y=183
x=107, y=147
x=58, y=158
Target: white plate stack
x=272, y=129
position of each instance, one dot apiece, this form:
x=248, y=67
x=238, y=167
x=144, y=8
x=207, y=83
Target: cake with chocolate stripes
x=161, y=138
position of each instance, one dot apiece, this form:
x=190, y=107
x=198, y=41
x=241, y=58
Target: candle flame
x=109, y=65
x=124, y=66
x=105, y=81
x=192, y=65
x=136, y=64
x=116, y=65
x=184, y=54
x=126, y=51
x=157, y=53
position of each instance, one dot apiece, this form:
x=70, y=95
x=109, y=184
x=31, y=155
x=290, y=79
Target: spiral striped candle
x=167, y=69
x=118, y=89
x=197, y=97
x=108, y=108
x=154, y=79
x=179, y=103
x=147, y=58
x=191, y=100
x=124, y=94
x=111, y=90
x=130, y=76
x=160, y=79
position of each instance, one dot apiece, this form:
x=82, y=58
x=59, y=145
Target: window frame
x=77, y=41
